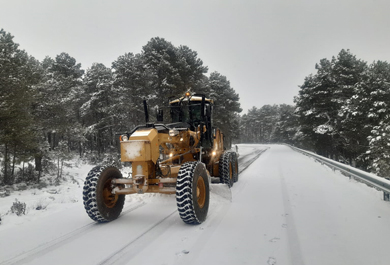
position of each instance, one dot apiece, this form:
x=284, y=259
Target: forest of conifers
x=52, y=110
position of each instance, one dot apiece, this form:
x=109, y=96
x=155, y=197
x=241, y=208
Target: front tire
x=99, y=202
x=192, y=193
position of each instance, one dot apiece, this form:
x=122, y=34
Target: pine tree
x=173, y=71
x=133, y=82
x=348, y=72
x=162, y=59
x=60, y=96
x=316, y=110
x=321, y=106
x=286, y=125
x=97, y=111
x=17, y=78
x=249, y=127
x=370, y=107
x=190, y=68
x=379, y=149
x=226, y=106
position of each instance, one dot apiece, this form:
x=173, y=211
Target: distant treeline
x=342, y=112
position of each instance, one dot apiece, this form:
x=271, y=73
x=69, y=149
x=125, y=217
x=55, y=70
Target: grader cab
x=180, y=157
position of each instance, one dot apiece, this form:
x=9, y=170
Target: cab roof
x=191, y=98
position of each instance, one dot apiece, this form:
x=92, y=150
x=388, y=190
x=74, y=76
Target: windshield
x=190, y=113
x=175, y=113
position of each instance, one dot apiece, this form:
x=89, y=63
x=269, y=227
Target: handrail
x=369, y=178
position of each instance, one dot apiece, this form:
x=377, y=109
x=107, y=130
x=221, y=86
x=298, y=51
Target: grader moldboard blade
x=221, y=190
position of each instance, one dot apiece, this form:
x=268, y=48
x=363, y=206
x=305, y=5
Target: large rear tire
x=235, y=166
x=99, y=202
x=226, y=169
x=192, y=192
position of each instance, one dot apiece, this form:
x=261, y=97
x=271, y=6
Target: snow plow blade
x=221, y=190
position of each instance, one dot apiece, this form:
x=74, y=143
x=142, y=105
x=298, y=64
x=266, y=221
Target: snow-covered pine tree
x=317, y=109
x=60, y=95
x=379, y=149
x=371, y=105
x=133, y=82
x=17, y=80
x=98, y=108
x=249, y=127
x=226, y=107
x=348, y=72
x=268, y=117
x=321, y=106
x=191, y=69
x=162, y=59
x=286, y=125
x=173, y=71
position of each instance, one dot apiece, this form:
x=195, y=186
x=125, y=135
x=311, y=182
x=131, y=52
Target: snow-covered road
x=286, y=209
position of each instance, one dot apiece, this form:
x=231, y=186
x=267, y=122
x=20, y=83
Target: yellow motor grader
x=179, y=158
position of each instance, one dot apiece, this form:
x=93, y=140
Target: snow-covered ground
x=286, y=209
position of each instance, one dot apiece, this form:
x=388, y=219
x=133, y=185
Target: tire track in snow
x=124, y=254
x=60, y=241
x=245, y=164
x=292, y=234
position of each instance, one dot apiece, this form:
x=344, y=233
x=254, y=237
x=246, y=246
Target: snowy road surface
x=286, y=209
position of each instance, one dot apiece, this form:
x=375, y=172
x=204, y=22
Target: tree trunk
x=62, y=165
x=39, y=176
x=58, y=168
x=13, y=163
x=49, y=140
x=23, y=171
x=38, y=164
x=80, y=149
x=6, y=177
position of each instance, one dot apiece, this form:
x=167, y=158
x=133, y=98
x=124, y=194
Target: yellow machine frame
x=147, y=148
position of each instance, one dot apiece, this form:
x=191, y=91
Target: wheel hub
x=109, y=198
x=230, y=171
x=201, y=192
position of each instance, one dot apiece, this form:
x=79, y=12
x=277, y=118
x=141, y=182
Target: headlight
x=173, y=132
x=124, y=137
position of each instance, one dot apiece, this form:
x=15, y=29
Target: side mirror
x=160, y=115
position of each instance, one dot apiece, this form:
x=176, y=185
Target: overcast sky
x=264, y=47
